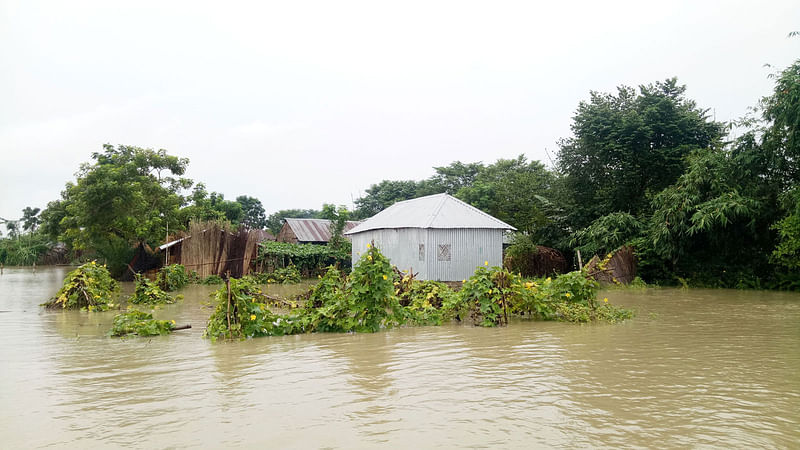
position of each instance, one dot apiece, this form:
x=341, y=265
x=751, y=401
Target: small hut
x=309, y=231
x=438, y=237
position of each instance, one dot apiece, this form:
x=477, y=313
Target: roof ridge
x=463, y=203
x=436, y=210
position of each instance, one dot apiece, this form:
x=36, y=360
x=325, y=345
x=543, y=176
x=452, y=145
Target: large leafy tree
x=253, y=214
x=126, y=196
x=630, y=145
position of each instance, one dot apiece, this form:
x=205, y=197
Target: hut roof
x=315, y=230
x=432, y=211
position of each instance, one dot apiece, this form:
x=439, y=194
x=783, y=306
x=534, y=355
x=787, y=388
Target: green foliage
x=89, y=287
x=608, y=233
x=212, y=279
x=426, y=302
x=787, y=251
x=172, y=277
x=148, y=293
x=284, y=275
x=629, y=145
x=488, y=293
x=243, y=314
x=126, y=196
x=702, y=203
x=306, y=257
x=372, y=292
x=512, y=190
x=539, y=298
x=23, y=249
x=139, y=323
x=338, y=217
x=253, y=215
x=383, y=195
x=30, y=219
x=375, y=296
x=207, y=207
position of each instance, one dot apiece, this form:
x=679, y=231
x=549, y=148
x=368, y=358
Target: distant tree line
x=714, y=203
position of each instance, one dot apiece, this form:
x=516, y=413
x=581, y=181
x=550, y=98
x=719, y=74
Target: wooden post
x=228, y=284
x=580, y=262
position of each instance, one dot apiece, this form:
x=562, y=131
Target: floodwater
x=695, y=368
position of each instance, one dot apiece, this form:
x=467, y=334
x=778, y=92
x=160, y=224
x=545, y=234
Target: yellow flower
x=486, y=263
x=368, y=246
x=369, y=257
x=252, y=317
x=173, y=322
x=464, y=280
x=384, y=277
x=548, y=279
x=489, y=291
x=605, y=300
x=568, y=295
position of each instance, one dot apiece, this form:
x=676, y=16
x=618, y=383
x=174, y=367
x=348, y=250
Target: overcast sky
x=299, y=103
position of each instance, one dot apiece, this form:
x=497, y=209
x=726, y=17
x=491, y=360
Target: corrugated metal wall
x=469, y=248
x=400, y=245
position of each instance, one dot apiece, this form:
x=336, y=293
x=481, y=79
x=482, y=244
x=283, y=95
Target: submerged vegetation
x=141, y=324
x=172, y=277
x=148, y=292
x=376, y=296
x=88, y=287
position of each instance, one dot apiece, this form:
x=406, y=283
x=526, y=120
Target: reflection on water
x=695, y=368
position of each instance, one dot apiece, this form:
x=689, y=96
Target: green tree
x=629, y=146
x=127, y=195
x=30, y=218
x=253, y=212
x=383, y=195
x=513, y=190
x=454, y=177
x=205, y=206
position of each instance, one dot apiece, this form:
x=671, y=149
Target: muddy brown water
x=695, y=368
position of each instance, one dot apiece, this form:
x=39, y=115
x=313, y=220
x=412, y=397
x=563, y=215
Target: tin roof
x=315, y=230
x=432, y=211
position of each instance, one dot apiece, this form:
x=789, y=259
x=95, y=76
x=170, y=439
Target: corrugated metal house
x=309, y=231
x=439, y=237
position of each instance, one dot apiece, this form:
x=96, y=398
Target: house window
x=422, y=252
x=443, y=252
